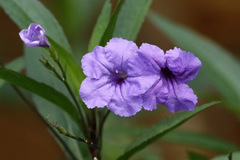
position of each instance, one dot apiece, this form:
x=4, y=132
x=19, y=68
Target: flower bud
x=34, y=36
x=62, y=130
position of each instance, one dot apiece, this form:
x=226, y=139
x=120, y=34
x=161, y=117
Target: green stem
x=54, y=56
x=65, y=132
x=101, y=127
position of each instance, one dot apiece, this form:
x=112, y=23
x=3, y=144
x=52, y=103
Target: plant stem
x=97, y=133
x=65, y=132
x=63, y=78
x=101, y=125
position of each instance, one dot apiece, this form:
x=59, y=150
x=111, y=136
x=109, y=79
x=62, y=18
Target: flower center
x=120, y=76
x=167, y=73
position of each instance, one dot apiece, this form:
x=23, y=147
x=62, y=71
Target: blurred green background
x=23, y=136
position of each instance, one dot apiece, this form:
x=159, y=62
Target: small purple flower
x=116, y=77
x=174, y=70
x=34, y=36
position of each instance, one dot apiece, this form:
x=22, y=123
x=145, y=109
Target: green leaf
x=24, y=12
x=196, y=156
x=108, y=34
x=148, y=155
x=75, y=15
x=235, y=156
x=218, y=63
x=41, y=90
x=16, y=65
x=201, y=140
x=158, y=130
x=100, y=26
x=130, y=18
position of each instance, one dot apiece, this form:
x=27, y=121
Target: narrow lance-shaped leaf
x=218, y=63
x=15, y=65
x=195, y=139
x=41, y=90
x=100, y=26
x=196, y=156
x=130, y=18
x=108, y=34
x=161, y=128
x=201, y=140
x=234, y=156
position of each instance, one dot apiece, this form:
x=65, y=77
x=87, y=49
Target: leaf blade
x=159, y=129
x=201, y=140
x=15, y=65
x=108, y=34
x=39, y=89
x=100, y=26
x=131, y=18
x=196, y=156
x=235, y=156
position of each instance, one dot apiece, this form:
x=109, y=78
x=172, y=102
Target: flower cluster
x=126, y=78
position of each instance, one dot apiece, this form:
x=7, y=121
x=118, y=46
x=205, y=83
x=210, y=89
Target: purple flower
x=116, y=77
x=174, y=70
x=34, y=36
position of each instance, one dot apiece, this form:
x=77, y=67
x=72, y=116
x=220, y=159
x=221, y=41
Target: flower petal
x=181, y=97
x=184, y=65
x=23, y=34
x=139, y=85
x=95, y=64
x=124, y=104
x=140, y=65
x=157, y=94
x=119, y=51
x=154, y=54
x=140, y=75
x=96, y=92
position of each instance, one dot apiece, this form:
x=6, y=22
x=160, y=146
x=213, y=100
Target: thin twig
x=85, y=122
x=55, y=57
x=63, y=131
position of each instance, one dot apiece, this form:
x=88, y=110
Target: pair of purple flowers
x=126, y=78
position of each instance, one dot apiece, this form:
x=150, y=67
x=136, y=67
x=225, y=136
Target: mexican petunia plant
x=115, y=80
